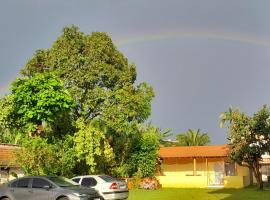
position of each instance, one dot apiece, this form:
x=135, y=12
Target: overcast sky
x=201, y=56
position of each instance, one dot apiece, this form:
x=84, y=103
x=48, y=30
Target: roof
x=7, y=155
x=194, y=151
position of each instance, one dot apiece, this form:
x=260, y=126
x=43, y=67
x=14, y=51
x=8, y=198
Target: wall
x=178, y=173
x=6, y=176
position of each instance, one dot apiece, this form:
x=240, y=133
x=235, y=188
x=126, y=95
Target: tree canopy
x=97, y=75
x=193, y=138
x=249, y=137
x=81, y=87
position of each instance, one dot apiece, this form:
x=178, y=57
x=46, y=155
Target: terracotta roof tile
x=6, y=154
x=194, y=151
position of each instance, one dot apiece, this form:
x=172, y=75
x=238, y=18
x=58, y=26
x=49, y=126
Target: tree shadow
x=248, y=193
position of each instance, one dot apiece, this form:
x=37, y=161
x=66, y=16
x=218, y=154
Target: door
x=216, y=177
x=41, y=189
x=20, y=189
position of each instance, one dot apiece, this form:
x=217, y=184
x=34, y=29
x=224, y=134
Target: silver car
x=108, y=187
x=46, y=188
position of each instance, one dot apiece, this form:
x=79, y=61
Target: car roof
x=84, y=176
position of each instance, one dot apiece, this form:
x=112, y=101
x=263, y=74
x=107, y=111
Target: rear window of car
x=89, y=182
x=107, y=178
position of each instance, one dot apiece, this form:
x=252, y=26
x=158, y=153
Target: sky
x=201, y=57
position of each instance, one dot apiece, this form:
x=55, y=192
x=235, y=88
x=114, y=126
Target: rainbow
x=230, y=37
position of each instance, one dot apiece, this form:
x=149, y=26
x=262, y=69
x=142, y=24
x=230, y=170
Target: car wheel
x=5, y=199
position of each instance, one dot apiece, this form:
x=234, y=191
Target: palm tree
x=226, y=117
x=193, y=138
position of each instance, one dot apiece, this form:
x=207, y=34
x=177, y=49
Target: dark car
x=46, y=188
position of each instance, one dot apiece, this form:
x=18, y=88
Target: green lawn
x=251, y=193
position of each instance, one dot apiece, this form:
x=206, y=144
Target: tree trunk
x=258, y=175
x=250, y=175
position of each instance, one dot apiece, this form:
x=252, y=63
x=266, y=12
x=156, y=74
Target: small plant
x=137, y=179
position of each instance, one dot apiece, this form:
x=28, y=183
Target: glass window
x=40, y=183
x=14, y=184
x=230, y=169
x=77, y=180
x=89, y=182
x=23, y=183
x=63, y=182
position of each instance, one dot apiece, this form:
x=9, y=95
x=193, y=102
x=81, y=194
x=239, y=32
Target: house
x=8, y=168
x=201, y=167
x=265, y=167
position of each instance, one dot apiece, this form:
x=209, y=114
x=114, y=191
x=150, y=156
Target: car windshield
x=107, y=178
x=63, y=182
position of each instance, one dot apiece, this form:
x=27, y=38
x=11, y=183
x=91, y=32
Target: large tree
x=97, y=75
x=249, y=138
x=193, y=138
x=110, y=105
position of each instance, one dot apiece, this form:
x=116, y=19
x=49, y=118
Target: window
x=39, y=183
x=89, y=182
x=23, y=183
x=230, y=169
x=14, y=184
x=62, y=182
x=77, y=180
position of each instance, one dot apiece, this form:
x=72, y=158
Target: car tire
x=5, y=199
x=63, y=198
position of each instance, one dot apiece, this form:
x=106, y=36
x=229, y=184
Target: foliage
x=39, y=157
x=91, y=146
x=249, y=137
x=6, y=107
x=97, y=75
x=137, y=179
x=193, y=138
x=84, y=87
x=146, y=151
x=10, y=136
x=38, y=99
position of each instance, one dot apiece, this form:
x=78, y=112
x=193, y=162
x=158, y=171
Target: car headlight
x=79, y=195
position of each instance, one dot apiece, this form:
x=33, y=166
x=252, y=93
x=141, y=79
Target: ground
x=251, y=193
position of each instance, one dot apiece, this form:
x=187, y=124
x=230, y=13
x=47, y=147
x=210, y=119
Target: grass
x=250, y=193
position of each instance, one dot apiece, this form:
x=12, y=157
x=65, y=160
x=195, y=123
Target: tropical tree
x=193, y=138
x=249, y=138
x=83, y=87
x=144, y=157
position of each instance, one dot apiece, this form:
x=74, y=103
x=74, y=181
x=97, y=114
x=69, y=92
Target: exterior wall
x=241, y=180
x=210, y=172
x=6, y=175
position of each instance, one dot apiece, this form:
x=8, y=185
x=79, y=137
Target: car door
x=41, y=189
x=20, y=189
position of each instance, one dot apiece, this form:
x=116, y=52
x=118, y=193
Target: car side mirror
x=46, y=187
